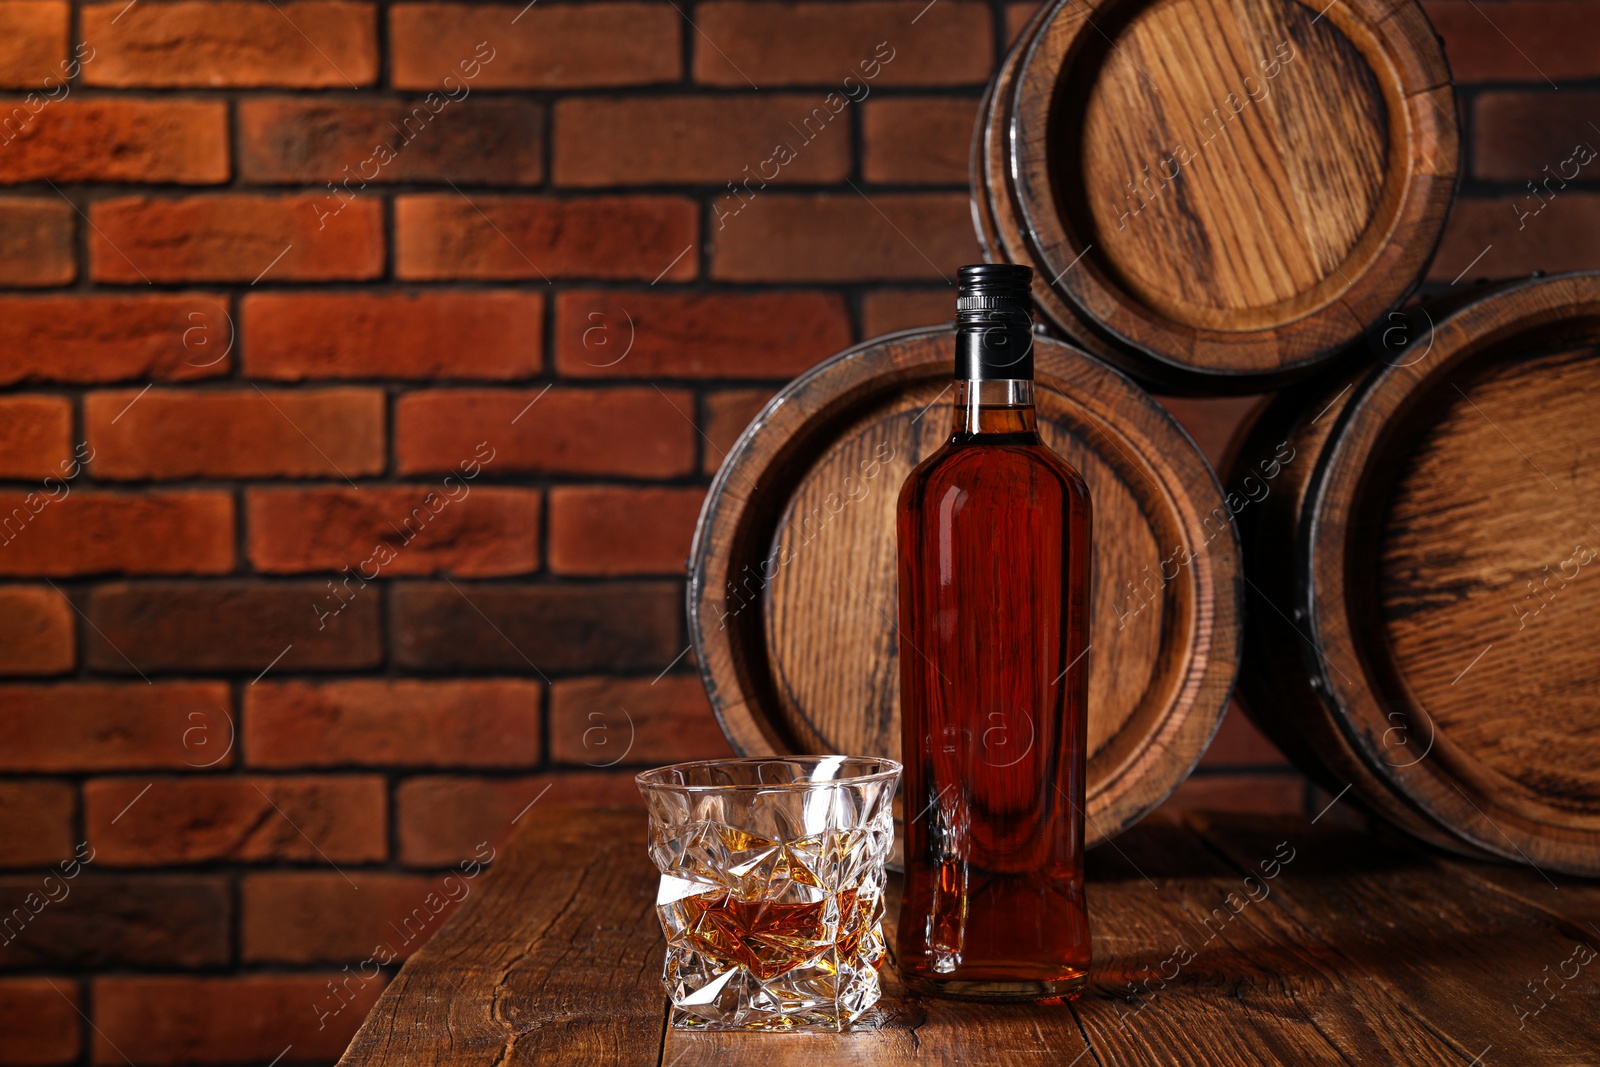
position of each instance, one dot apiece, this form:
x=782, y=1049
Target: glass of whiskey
x=771, y=893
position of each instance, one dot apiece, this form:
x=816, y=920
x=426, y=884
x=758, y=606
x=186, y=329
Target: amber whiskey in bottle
x=994, y=600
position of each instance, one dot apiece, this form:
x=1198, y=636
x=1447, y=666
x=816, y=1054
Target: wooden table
x=1221, y=940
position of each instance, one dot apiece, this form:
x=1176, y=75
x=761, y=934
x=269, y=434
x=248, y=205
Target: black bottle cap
x=994, y=322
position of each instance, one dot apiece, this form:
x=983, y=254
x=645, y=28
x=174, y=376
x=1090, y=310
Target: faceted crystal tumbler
x=771, y=891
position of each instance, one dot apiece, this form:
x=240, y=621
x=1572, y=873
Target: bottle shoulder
x=957, y=459
x=995, y=471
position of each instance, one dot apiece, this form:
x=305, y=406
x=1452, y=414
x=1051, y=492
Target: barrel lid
x=792, y=598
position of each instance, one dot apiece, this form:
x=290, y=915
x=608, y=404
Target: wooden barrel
x=1420, y=614
x=1219, y=195
x=792, y=598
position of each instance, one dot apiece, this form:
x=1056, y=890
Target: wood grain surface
x=1445, y=525
x=1223, y=193
x=792, y=584
x=1315, y=160
x=555, y=959
x=1222, y=941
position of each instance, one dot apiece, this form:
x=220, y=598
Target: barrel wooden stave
x=1001, y=234
x=1277, y=686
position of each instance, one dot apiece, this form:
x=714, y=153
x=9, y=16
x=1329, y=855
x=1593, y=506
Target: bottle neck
x=994, y=407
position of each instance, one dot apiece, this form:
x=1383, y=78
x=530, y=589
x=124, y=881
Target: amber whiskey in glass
x=994, y=533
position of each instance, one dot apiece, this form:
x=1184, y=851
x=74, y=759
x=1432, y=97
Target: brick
x=1561, y=237
x=170, y=434
x=178, y=141
x=603, y=722
x=567, y=431
x=309, y=917
x=36, y=631
x=871, y=42
x=649, y=237
x=526, y=629
x=1213, y=422
x=682, y=140
x=241, y=820
x=887, y=310
x=35, y=436
x=613, y=531
x=1549, y=39
x=239, y=44
x=233, y=626
x=89, y=339
x=456, y=528
x=427, y=336
x=381, y=723
x=436, y=138
x=557, y=47
x=1239, y=744
x=36, y=242
x=1277, y=794
x=59, y=531
x=728, y=412
x=1531, y=136
x=1017, y=16
x=112, y=726
x=698, y=335
x=926, y=140
x=166, y=1021
x=840, y=237
x=39, y=1022
x=34, y=47
x=235, y=238
x=93, y=920
x=442, y=819
x=36, y=822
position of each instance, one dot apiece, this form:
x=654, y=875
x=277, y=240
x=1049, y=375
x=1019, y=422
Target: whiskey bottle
x=994, y=533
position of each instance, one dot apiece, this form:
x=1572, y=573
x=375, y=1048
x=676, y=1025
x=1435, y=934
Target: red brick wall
x=224, y=380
